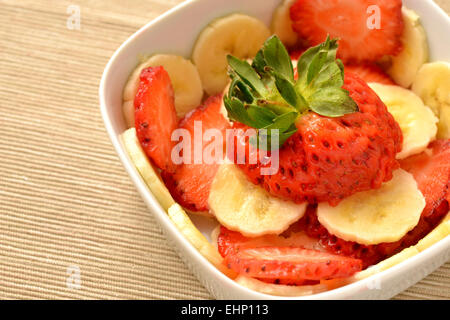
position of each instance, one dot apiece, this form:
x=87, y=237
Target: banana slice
x=432, y=84
x=282, y=24
x=376, y=216
x=236, y=34
x=197, y=239
x=417, y=121
x=444, y=123
x=146, y=169
x=242, y=206
x=128, y=113
x=279, y=289
x=185, y=79
x=404, y=66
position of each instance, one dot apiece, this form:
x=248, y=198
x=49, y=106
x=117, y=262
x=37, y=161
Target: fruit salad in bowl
x=319, y=146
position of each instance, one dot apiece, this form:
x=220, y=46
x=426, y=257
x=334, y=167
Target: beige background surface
x=66, y=203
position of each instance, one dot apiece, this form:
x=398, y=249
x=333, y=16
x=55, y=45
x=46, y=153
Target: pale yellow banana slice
x=279, y=289
x=375, y=216
x=242, y=206
x=432, y=84
x=185, y=80
x=145, y=168
x=128, y=113
x=417, y=121
x=444, y=123
x=236, y=34
x=405, y=65
x=197, y=239
x=282, y=24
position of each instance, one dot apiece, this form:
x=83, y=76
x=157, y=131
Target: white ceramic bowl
x=176, y=32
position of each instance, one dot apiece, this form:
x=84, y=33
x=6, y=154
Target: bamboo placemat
x=71, y=223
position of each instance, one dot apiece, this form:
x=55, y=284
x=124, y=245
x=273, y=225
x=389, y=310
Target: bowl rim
x=165, y=222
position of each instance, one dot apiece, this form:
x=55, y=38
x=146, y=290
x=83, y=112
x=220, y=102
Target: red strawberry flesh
x=361, y=38
x=155, y=116
x=290, y=263
x=191, y=182
x=370, y=73
x=431, y=170
x=231, y=241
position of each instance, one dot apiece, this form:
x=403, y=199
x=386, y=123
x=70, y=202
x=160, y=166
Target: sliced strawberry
x=155, y=116
x=370, y=73
x=229, y=242
x=349, y=20
x=190, y=184
x=289, y=282
x=289, y=263
x=431, y=169
x=306, y=251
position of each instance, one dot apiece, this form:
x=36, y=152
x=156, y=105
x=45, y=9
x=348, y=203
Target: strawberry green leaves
x=277, y=58
x=247, y=74
x=265, y=95
x=320, y=79
x=332, y=102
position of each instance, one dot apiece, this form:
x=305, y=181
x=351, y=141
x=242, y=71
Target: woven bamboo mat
x=71, y=223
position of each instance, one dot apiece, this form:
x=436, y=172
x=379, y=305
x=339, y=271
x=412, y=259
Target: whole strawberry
x=337, y=136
